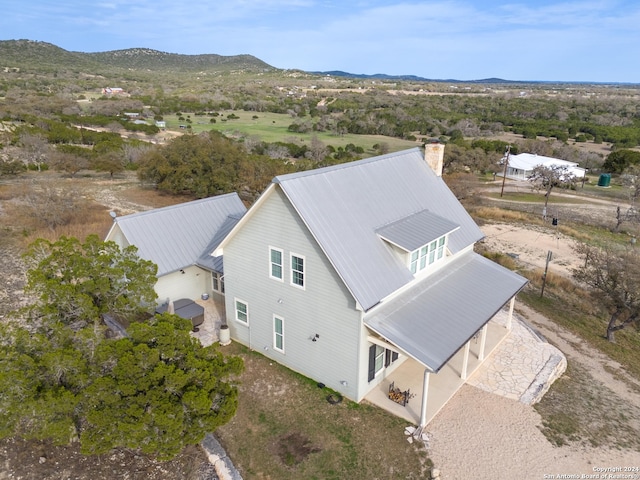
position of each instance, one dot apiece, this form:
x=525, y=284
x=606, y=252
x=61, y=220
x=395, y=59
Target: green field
x=272, y=127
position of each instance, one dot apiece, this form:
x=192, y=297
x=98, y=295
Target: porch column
x=465, y=360
x=425, y=393
x=511, y=305
x=483, y=341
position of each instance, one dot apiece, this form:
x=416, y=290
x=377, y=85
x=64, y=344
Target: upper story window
x=275, y=263
x=427, y=255
x=297, y=270
x=419, y=239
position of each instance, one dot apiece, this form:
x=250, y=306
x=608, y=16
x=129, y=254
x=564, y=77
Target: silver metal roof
x=175, y=237
x=344, y=205
x=206, y=259
x=417, y=230
x=434, y=319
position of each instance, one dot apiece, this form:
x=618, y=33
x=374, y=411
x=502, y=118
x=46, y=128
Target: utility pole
x=544, y=275
x=504, y=174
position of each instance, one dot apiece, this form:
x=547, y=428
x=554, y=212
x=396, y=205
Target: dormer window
x=421, y=238
x=427, y=255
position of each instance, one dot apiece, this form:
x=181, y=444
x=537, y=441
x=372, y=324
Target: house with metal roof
x=520, y=167
x=179, y=239
x=363, y=276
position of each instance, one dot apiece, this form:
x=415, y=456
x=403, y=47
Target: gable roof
x=176, y=237
x=344, y=206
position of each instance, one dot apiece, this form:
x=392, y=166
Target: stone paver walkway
x=208, y=331
x=522, y=367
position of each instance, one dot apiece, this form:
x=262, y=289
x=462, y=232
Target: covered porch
x=442, y=386
x=446, y=327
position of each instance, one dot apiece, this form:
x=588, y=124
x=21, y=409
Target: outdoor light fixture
x=315, y=337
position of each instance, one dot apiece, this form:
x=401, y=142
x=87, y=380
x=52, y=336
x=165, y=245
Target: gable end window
x=275, y=263
x=297, y=271
x=242, y=311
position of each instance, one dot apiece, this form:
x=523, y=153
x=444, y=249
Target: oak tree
x=613, y=277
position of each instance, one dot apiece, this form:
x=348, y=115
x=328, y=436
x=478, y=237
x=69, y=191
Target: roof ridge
x=341, y=166
x=175, y=206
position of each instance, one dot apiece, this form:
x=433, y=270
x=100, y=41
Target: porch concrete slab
x=523, y=367
x=442, y=385
x=209, y=330
x=519, y=365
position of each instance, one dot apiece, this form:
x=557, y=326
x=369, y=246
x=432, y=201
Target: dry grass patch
x=153, y=198
x=495, y=214
x=286, y=429
x=579, y=409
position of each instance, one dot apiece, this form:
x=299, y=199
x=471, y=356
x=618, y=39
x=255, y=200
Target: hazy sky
x=597, y=40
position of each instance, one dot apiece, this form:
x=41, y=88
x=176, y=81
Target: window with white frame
x=379, y=358
x=297, y=270
x=278, y=333
x=217, y=282
x=242, y=311
x=427, y=255
x=275, y=263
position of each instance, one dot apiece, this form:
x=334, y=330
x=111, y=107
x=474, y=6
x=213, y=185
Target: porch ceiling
x=433, y=320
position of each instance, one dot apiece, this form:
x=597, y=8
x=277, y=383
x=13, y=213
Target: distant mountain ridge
x=33, y=54
x=39, y=55
x=410, y=78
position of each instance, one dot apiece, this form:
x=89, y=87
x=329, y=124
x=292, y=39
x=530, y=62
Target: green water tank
x=604, y=180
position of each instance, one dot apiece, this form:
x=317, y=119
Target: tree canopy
x=208, y=164
x=77, y=281
x=614, y=279
x=156, y=390
x=546, y=178
x=62, y=378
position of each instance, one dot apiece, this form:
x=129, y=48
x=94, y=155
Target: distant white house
x=521, y=166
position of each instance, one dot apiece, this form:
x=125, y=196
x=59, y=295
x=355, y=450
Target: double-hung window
x=278, y=333
x=297, y=270
x=275, y=263
x=242, y=311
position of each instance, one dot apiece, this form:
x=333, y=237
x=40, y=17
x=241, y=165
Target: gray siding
x=324, y=307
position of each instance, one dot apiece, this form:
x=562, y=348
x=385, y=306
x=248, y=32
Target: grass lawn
x=286, y=429
x=272, y=127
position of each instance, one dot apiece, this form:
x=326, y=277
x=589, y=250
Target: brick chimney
x=434, y=156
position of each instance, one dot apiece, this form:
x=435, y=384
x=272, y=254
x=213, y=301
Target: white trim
x=271, y=264
x=375, y=359
x=244, y=219
x=275, y=333
x=425, y=252
x=236, y=300
x=219, y=278
x=304, y=270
